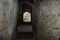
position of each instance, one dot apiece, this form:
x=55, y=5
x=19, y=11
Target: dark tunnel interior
x=29, y=19
x=24, y=26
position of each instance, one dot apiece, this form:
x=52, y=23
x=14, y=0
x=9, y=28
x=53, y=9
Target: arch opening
x=26, y=17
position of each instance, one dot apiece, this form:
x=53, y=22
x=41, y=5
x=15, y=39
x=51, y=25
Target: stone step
x=24, y=28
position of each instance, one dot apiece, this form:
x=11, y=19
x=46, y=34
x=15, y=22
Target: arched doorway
x=26, y=17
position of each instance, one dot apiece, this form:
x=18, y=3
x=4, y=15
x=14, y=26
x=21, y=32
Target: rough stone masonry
x=48, y=27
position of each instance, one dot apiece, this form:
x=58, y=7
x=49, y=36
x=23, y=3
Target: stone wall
x=8, y=12
x=48, y=20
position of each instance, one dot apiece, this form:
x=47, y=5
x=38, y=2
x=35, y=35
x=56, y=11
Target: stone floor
x=24, y=39
x=24, y=32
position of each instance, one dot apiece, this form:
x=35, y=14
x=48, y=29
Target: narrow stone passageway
x=29, y=19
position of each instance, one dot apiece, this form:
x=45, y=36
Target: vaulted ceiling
x=32, y=1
